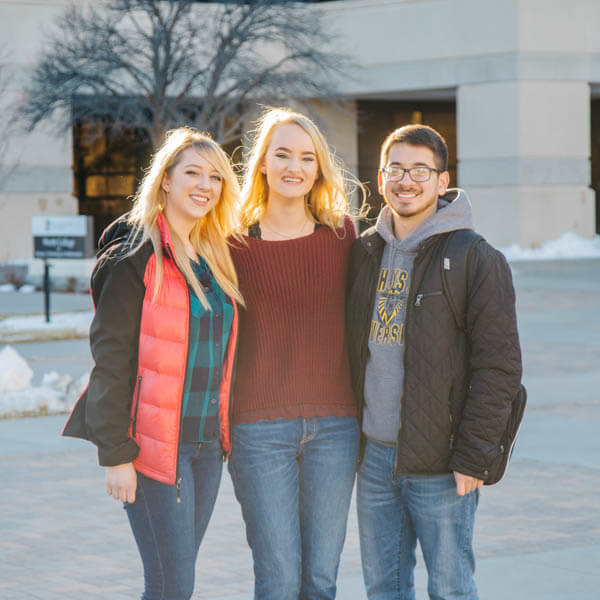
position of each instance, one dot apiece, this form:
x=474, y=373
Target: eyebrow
x=195, y=166
x=288, y=150
x=418, y=164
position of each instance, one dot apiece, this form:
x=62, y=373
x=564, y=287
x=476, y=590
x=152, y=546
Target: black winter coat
x=457, y=386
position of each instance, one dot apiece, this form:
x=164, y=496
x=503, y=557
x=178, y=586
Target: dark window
x=107, y=167
x=378, y=118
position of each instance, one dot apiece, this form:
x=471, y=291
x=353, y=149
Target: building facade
x=514, y=86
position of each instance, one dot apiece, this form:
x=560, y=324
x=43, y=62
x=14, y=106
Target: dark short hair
x=417, y=135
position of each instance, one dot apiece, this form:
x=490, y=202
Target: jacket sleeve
x=494, y=361
x=118, y=292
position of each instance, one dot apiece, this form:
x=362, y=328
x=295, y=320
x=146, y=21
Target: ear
x=380, y=185
x=165, y=184
x=443, y=183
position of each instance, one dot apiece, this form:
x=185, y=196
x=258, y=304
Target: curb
x=41, y=335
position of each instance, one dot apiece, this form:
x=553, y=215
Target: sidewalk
x=537, y=533
x=22, y=317
x=16, y=303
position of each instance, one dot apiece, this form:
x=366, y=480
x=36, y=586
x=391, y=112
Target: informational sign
x=62, y=237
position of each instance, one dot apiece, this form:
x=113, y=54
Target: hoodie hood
x=453, y=212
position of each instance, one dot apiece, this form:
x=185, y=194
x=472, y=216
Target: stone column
x=523, y=157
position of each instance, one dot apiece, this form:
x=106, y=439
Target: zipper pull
x=137, y=403
x=418, y=299
x=179, y=491
x=451, y=441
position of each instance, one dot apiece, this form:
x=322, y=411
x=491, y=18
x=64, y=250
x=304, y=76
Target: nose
x=203, y=181
x=405, y=174
x=294, y=164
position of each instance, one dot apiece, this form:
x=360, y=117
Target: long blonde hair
x=328, y=198
x=209, y=234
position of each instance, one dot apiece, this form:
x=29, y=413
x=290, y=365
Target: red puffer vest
x=162, y=361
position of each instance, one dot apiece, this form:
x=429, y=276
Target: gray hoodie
x=384, y=377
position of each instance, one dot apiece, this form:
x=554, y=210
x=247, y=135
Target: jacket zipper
x=419, y=297
x=409, y=306
x=427, y=243
x=137, y=404
x=403, y=397
x=231, y=386
x=177, y=476
x=451, y=417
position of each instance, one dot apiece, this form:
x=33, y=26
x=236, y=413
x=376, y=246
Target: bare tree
x=7, y=120
x=156, y=64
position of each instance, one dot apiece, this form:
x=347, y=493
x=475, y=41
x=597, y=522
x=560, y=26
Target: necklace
x=284, y=235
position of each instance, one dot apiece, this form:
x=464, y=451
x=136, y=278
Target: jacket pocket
x=136, y=406
x=420, y=298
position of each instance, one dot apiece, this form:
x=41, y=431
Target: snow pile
x=567, y=246
x=15, y=374
x=11, y=287
x=79, y=321
x=57, y=394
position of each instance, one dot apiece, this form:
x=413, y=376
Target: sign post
x=60, y=237
x=47, y=290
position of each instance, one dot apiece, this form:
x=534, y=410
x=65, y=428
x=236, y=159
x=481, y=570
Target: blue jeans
x=396, y=511
x=294, y=478
x=168, y=532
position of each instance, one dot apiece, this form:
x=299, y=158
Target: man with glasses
x=434, y=398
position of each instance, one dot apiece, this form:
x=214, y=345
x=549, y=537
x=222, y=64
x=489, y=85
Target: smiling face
x=193, y=188
x=290, y=163
x=410, y=200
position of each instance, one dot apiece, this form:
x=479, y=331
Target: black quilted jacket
x=457, y=386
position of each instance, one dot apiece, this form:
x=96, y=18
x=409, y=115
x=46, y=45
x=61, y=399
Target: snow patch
x=568, y=246
x=57, y=394
x=27, y=289
x=7, y=287
x=79, y=321
x=15, y=374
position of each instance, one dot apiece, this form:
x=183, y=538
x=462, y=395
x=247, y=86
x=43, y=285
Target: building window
x=378, y=118
x=107, y=167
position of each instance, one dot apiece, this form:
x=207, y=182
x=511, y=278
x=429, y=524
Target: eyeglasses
x=417, y=174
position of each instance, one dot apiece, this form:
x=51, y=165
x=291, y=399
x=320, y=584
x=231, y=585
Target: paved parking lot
x=537, y=533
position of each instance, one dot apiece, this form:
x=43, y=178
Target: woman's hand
x=121, y=482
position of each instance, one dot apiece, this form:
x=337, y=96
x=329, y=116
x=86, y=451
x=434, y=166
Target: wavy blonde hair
x=209, y=234
x=328, y=198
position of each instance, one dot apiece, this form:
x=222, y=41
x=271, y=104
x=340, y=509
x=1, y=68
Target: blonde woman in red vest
x=295, y=436
x=163, y=338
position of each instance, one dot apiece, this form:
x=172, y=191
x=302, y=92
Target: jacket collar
x=165, y=233
x=372, y=242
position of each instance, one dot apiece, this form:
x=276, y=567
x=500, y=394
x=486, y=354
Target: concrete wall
x=35, y=168
x=524, y=151
x=520, y=71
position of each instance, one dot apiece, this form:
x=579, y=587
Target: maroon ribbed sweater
x=292, y=359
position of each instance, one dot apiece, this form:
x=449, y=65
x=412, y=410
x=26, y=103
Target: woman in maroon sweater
x=295, y=436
